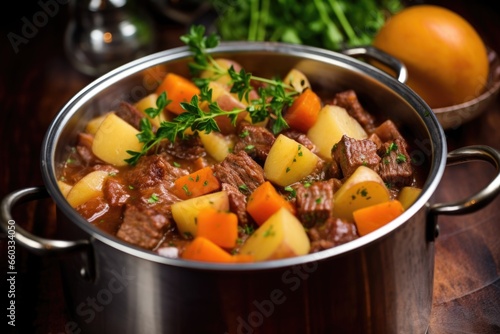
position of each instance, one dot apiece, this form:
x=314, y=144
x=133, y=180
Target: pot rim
x=436, y=133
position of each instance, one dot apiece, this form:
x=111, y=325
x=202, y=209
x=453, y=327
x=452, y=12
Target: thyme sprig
x=274, y=96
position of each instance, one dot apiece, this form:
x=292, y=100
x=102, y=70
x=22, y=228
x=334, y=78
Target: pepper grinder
x=104, y=34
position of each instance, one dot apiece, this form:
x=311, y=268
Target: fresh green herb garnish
x=273, y=98
x=243, y=188
x=292, y=191
x=392, y=147
x=153, y=199
x=400, y=158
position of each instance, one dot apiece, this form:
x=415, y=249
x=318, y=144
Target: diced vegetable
x=178, y=89
x=288, y=161
x=147, y=102
x=281, y=236
x=224, y=78
x=94, y=124
x=363, y=188
x=202, y=249
x=220, y=227
x=87, y=188
x=333, y=122
x=372, y=217
x=216, y=144
x=297, y=80
x=113, y=139
x=185, y=213
x=226, y=102
x=200, y=182
x=304, y=111
x=265, y=201
x=64, y=187
x=408, y=195
x=243, y=258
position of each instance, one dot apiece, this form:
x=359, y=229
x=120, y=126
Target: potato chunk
x=224, y=64
x=288, y=161
x=89, y=187
x=363, y=188
x=408, y=195
x=217, y=145
x=94, y=124
x=281, y=236
x=113, y=139
x=185, y=213
x=297, y=80
x=333, y=122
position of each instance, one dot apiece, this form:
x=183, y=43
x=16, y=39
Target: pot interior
x=329, y=72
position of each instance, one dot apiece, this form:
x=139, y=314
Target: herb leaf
x=274, y=96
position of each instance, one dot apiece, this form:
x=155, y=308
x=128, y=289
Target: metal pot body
x=385, y=287
x=381, y=283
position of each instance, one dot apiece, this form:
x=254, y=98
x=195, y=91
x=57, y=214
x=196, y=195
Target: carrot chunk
x=202, y=249
x=220, y=227
x=178, y=89
x=370, y=218
x=264, y=201
x=243, y=258
x=200, y=182
x=304, y=111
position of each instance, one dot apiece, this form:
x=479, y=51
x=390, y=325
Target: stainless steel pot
x=380, y=283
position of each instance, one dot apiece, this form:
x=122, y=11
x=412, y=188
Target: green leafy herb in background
x=274, y=96
x=332, y=24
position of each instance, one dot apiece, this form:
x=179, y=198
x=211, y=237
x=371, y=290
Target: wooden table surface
x=37, y=80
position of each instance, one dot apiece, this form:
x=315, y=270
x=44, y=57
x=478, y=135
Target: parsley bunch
x=331, y=24
x=274, y=96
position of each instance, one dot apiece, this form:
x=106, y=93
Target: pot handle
x=372, y=52
x=33, y=243
x=476, y=201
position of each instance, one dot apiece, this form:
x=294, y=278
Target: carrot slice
x=243, y=258
x=264, y=201
x=178, y=89
x=220, y=227
x=304, y=111
x=370, y=218
x=200, y=182
x=202, y=249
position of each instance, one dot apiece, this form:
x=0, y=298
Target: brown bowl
x=453, y=116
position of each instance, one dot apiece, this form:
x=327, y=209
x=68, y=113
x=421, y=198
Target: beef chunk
x=188, y=148
x=114, y=192
x=314, y=203
x=158, y=198
x=152, y=170
x=240, y=170
x=254, y=140
x=376, y=140
x=143, y=227
x=237, y=203
x=300, y=138
x=395, y=167
x=130, y=114
x=349, y=101
x=84, y=149
x=93, y=208
x=388, y=132
x=326, y=170
x=351, y=153
x=332, y=233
